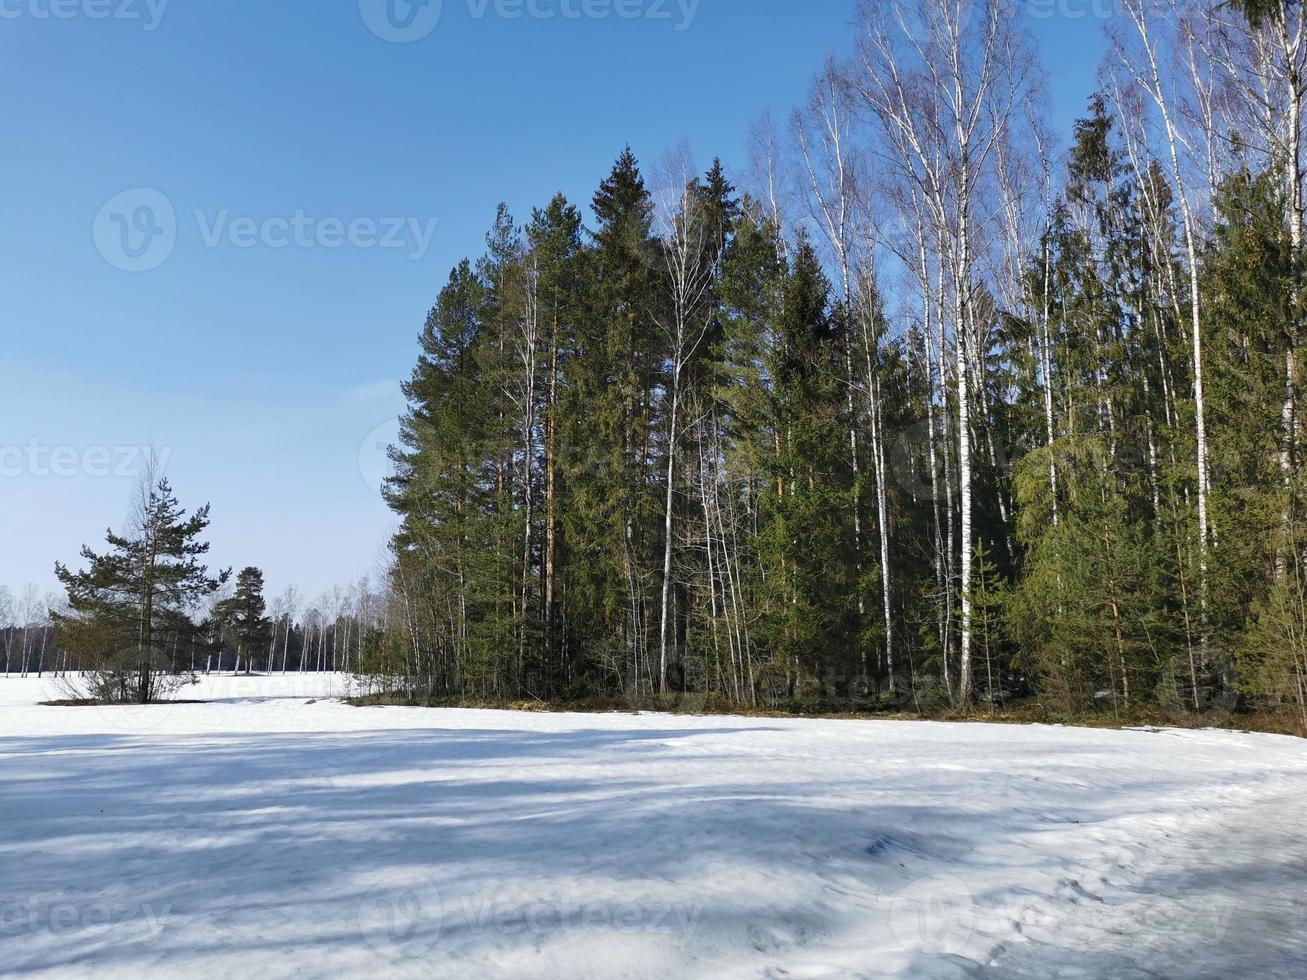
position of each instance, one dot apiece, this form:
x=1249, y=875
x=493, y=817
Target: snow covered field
x=272, y=833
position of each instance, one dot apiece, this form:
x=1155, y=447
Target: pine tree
x=244, y=616
x=133, y=601
x=557, y=257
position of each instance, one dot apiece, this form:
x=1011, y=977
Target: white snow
x=275, y=833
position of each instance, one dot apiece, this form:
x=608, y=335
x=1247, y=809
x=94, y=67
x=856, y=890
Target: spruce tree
x=439, y=487
x=807, y=534
x=609, y=405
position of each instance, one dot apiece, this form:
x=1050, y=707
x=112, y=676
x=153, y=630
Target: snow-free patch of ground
x=275, y=832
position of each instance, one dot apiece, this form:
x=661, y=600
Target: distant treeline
x=332, y=634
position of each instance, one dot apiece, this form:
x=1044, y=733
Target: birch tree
x=1143, y=16
x=689, y=258
x=943, y=78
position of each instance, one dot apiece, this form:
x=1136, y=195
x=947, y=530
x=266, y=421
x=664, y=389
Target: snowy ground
x=274, y=833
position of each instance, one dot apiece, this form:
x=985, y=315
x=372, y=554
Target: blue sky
x=268, y=375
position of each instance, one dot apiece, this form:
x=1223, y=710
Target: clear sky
x=262, y=347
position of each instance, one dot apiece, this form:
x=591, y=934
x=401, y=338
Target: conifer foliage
x=243, y=616
x=129, y=608
x=924, y=410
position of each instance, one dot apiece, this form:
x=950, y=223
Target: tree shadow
x=267, y=843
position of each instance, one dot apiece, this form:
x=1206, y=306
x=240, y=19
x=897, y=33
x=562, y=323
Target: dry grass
x=1282, y=722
